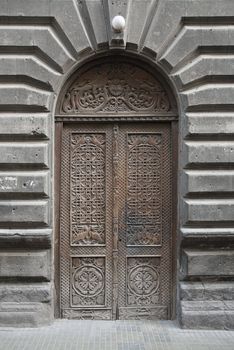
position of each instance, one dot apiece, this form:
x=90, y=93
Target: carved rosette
x=88, y=281
x=115, y=87
x=88, y=189
x=144, y=209
x=143, y=281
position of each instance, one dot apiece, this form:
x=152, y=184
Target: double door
x=115, y=221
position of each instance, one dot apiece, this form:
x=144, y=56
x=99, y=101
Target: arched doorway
x=117, y=136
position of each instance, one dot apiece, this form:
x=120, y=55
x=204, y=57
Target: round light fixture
x=118, y=23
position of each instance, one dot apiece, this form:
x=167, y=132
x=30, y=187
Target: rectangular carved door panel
x=86, y=222
x=144, y=221
x=115, y=230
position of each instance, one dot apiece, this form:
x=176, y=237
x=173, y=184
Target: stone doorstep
x=25, y=314
x=207, y=314
x=220, y=319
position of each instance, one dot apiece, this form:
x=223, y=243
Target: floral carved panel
x=88, y=281
x=88, y=189
x=115, y=87
x=144, y=208
x=143, y=281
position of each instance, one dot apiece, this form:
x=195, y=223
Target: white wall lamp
x=118, y=24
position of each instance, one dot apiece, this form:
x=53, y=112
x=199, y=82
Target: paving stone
x=110, y=335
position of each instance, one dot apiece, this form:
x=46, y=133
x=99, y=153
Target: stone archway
x=116, y=120
x=192, y=42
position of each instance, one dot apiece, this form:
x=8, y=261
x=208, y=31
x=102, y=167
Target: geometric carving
x=115, y=220
x=144, y=202
x=114, y=262
x=88, y=281
x=115, y=87
x=87, y=314
x=143, y=281
x=88, y=189
x=143, y=313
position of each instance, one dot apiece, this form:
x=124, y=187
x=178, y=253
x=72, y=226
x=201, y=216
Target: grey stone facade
x=42, y=44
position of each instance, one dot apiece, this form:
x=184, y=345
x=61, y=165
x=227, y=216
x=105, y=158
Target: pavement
x=114, y=335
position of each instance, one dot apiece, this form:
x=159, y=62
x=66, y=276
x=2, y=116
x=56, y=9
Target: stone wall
x=41, y=43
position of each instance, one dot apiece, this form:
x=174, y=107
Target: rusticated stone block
x=43, y=38
x=209, y=180
x=209, y=123
x=20, y=124
x=207, y=232
x=209, y=210
x=30, y=66
x=209, y=94
x=28, y=213
x=206, y=67
x=97, y=16
x=22, y=238
x=36, y=183
x=25, y=95
x=200, y=291
x=192, y=37
x=21, y=265
x=28, y=292
x=139, y=10
x=36, y=154
x=208, y=263
x=25, y=314
x=201, y=152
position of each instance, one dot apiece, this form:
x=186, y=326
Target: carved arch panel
x=114, y=86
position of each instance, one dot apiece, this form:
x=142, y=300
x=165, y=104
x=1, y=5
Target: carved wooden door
x=115, y=246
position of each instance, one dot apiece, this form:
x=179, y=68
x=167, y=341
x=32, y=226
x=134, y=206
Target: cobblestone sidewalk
x=119, y=335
